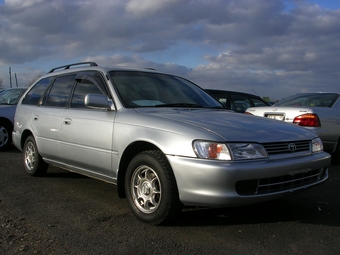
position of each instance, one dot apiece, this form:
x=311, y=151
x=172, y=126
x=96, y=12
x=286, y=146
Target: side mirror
x=98, y=101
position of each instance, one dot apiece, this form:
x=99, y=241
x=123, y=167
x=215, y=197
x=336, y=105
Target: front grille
x=287, y=147
x=281, y=183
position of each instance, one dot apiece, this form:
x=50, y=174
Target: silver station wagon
x=162, y=140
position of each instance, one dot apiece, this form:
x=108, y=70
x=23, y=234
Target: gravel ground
x=66, y=213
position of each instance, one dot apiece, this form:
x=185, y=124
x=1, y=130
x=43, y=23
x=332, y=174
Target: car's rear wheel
x=5, y=135
x=151, y=188
x=33, y=162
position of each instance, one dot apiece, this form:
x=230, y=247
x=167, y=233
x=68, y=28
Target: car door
x=47, y=117
x=86, y=137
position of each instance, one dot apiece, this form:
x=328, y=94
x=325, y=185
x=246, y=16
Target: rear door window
x=60, y=92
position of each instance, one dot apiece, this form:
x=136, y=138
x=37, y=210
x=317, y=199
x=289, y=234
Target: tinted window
x=11, y=96
x=222, y=98
x=240, y=103
x=258, y=102
x=83, y=88
x=33, y=97
x=142, y=89
x=60, y=91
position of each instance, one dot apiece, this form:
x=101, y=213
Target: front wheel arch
x=151, y=188
x=129, y=153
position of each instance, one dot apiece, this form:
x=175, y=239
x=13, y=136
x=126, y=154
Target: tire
x=33, y=162
x=5, y=135
x=151, y=188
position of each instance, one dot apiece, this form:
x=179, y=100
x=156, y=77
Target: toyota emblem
x=292, y=147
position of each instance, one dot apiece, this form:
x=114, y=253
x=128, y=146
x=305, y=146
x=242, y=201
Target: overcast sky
x=274, y=48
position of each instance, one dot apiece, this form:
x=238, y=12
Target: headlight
x=229, y=151
x=317, y=145
x=247, y=151
x=212, y=150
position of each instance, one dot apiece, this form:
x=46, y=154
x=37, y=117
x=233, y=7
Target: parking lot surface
x=66, y=213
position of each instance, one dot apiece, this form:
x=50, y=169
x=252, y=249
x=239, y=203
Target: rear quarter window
x=34, y=95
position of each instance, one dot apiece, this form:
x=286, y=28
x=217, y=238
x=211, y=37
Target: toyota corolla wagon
x=162, y=140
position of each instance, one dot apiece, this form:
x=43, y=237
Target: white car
x=319, y=112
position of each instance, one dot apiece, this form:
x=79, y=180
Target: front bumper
x=204, y=182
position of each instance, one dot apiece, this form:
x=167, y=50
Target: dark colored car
x=237, y=101
x=8, y=103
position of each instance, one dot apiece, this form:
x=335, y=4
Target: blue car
x=8, y=103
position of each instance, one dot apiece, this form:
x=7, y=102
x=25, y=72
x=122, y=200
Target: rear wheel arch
x=33, y=163
x=26, y=133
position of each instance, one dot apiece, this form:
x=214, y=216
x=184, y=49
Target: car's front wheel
x=5, y=135
x=151, y=188
x=33, y=162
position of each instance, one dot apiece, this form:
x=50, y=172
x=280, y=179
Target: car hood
x=4, y=106
x=232, y=126
x=8, y=111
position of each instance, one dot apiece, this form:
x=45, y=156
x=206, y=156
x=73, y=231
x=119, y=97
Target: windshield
x=11, y=96
x=310, y=100
x=144, y=89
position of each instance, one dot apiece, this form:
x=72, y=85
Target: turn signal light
x=214, y=150
x=307, y=120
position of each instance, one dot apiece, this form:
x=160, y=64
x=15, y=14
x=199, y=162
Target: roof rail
x=75, y=64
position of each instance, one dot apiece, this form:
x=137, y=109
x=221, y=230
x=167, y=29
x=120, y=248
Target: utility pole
x=10, y=78
x=16, y=79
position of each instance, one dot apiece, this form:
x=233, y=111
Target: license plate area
x=276, y=116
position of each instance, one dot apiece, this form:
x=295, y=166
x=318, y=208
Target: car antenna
x=255, y=92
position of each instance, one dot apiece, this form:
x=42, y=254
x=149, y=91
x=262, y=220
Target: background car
x=319, y=112
x=8, y=102
x=237, y=101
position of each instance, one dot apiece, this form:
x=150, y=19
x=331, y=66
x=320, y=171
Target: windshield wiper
x=180, y=105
